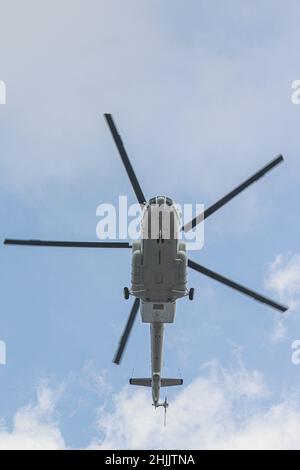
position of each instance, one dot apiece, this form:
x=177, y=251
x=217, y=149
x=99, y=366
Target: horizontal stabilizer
x=148, y=382
x=142, y=382
x=171, y=382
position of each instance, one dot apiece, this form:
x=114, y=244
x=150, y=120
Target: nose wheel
x=126, y=293
x=191, y=293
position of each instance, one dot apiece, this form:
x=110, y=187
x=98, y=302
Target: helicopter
x=159, y=265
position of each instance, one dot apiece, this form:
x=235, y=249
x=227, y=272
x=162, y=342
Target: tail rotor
x=165, y=404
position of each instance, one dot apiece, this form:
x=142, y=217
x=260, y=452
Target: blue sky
x=201, y=93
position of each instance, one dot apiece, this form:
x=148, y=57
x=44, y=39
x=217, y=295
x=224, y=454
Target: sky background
x=201, y=94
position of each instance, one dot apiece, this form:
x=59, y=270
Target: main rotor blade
x=234, y=285
x=221, y=202
x=124, y=338
x=125, y=159
x=9, y=241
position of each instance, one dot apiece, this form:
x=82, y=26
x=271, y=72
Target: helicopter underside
x=159, y=272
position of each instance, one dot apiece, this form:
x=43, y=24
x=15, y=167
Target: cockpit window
x=168, y=200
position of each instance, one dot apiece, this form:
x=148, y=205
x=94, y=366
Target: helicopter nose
x=160, y=200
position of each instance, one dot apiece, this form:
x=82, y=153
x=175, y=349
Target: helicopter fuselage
x=158, y=276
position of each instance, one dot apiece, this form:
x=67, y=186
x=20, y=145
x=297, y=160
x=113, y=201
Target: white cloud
x=221, y=411
x=283, y=279
x=279, y=330
x=224, y=408
x=195, y=83
x=34, y=426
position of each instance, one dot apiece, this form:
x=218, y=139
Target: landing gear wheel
x=191, y=293
x=126, y=293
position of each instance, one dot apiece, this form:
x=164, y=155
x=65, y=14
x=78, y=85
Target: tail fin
x=142, y=382
x=170, y=382
x=148, y=382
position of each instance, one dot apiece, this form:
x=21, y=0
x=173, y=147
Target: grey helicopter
x=159, y=265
